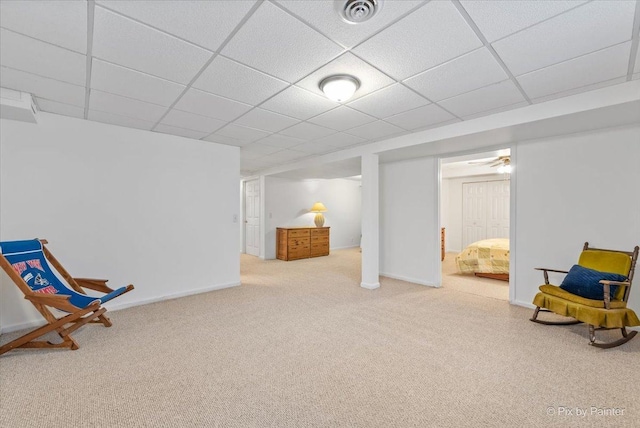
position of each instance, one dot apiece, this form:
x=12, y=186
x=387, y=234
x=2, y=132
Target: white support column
x=370, y=221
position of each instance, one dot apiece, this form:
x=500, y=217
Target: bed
x=488, y=258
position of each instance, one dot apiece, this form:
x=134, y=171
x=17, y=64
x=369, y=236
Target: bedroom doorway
x=475, y=201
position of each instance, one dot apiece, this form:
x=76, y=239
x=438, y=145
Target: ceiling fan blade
x=482, y=162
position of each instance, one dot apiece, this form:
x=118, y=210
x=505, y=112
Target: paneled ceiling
x=246, y=73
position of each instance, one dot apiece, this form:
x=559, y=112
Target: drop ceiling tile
x=260, y=148
x=433, y=34
x=241, y=133
x=497, y=19
x=182, y=119
x=124, y=81
x=60, y=108
x=42, y=87
x=281, y=141
x=371, y=79
x=340, y=140
x=206, y=104
x=205, y=23
x=588, y=28
x=307, y=131
x=574, y=91
x=315, y=148
x=466, y=73
x=285, y=155
x=122, y=106
x=342, y=118
x=33, y=56
x=115, y=119
x=221, y=139
x=376, y=130
x=324, y=16
x=483, y=99
x=266, y=120
x=134, y=45
x=497, y=110
x=182, y=132
x=62, y=23
x=238, y=82
x=249, y=155
x=298, y=103
x=271, y=35
x=420, y=117
x=389, y=101
x=589, y=69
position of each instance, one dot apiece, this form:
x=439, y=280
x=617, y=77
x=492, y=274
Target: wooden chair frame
x=65, y=325
x=626, y=336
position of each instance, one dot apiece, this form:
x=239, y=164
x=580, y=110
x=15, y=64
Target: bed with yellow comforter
x=489, y=256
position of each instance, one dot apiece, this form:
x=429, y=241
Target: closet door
x=497, y=209
x=474, y=212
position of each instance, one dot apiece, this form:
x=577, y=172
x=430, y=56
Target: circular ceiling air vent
x=357, y=11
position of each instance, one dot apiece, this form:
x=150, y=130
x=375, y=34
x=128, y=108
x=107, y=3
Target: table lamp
x=318, y=208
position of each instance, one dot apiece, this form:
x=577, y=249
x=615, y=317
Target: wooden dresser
x=293, y=243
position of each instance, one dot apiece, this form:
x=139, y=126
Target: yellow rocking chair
x=595, y=292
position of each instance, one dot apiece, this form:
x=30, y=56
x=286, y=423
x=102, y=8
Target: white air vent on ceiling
x=357, y=11
x=17, y=105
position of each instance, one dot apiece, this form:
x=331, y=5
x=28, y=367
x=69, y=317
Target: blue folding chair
x=29, y=264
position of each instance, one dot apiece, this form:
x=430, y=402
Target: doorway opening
x=475, y=200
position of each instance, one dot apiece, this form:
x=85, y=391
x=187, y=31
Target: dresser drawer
x=318, y=239
x=320, y=249
x=295, y=242
x=299, y=252
x=319, y=232
x=298, y=233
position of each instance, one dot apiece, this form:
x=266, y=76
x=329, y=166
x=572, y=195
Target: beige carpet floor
x=301, y=344
x=472, y=284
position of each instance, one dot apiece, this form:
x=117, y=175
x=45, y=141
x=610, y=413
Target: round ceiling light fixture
x=339, y=88
x=357, y=11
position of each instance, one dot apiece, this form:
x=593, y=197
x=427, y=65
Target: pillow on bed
x=585, y=282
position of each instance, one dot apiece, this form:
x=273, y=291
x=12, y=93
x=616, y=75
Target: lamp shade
x=318, y=207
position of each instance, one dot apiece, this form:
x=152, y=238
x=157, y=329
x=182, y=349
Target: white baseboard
x=523, y=304
x=344, y=248
x=369, y=286
x=408, y=279
x=116, y=307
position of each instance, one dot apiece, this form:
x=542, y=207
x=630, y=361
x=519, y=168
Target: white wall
x=574, y=189
x=451, y=207
x=568, y=190
x=409, y=234
x=287, y=203
x=133, y=206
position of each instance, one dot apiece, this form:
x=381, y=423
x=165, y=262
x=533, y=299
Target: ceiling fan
x=502, y=162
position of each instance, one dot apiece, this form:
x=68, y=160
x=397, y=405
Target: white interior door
x=485, y=211
x=498, y=209
x=474, y=212
x=252, y=217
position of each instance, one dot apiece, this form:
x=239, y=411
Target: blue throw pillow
x=585, y=282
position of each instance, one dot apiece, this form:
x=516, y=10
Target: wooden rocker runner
x=29, y=264
x=595, y=292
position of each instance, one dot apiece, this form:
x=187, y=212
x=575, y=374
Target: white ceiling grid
x=246, y=73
